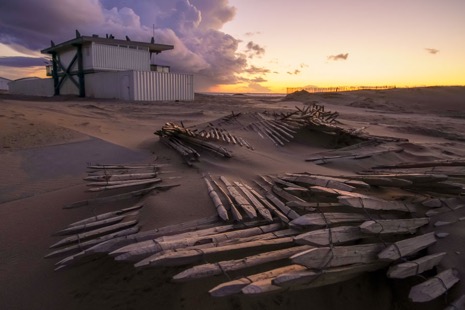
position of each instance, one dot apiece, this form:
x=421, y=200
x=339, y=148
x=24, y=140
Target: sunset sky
x=260, y=45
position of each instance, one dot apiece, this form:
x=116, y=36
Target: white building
x=4, y=84
x=108, y=68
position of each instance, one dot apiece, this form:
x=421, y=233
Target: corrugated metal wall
x=156, y=86
x=109, y=57
x=4, y=84
x=124, y=85
x=32, y=87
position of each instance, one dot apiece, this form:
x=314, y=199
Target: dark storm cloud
x=338, y=57
x=192, y=26
x=22, y=62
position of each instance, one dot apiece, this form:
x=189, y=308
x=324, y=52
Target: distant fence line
x=337, y=89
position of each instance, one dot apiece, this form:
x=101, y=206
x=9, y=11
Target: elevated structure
x=105, y=67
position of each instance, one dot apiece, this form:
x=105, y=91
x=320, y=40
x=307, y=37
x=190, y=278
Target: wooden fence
x=337, y=89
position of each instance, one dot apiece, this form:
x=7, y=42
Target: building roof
x=153, y=47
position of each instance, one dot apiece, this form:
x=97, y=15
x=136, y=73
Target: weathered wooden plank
x=121, y=177
x=119, y=242
x=241, y=201
x=314, y=278
x=325, y=257
x=143, y=249
x=332, y=192
x=425, y=164
x=208, y=270
x=407, y=247
x=235, y=286
x=83, y=246
x=285, y=195
x=107, y=215
x=125, y=167
x=235, y=213
x=278, y=203
x=93, y=233
x=376, y=204
x=435, y=286
x=400, y=226
x=220, y=209
x=267, y=204
x=319, y=181
x=89, y=226
x=414, y=267
x=327, y=236
x=324, y=219
x=123, y=185
x=262, y=210
x=196, y=254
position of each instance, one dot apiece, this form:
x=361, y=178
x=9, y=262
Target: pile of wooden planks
x=296, y=230
x=131, y=181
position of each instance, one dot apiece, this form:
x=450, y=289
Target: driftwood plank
x=376, y=204
x=407, y=247
x=235, y=213
x=89, y=226
x=314, y=278
x=332, y=192
x=426, y=164
x=222, y=213
x=93, y=233
x=267, y=204
x=262, y=210
x=319, y=181
x=434, y=287
x=278, y=203
x=208, y=270
x=325, y=257
x=107, y=215
x=324, y=219
x=401, y=226
x=143, y=249
x=121, y=177
x=125, y=184
x=327, y=236
x=241, y=201
x=119, y=242
x=195, y=254
x=235, y=286
x=414, y=267
x=82, y=246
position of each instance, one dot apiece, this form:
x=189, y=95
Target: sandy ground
x=46, y=143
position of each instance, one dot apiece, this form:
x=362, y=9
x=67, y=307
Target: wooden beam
x=434, y=287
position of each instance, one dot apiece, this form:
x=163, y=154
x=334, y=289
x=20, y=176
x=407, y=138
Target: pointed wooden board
x=407, y=247
x=321, y=220
x=325, y=257
x=434, y=287
x=414, y=267
x=376, y=204
x=400, y=226
x=326, y=236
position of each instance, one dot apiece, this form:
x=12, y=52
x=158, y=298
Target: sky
x=257, y=45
